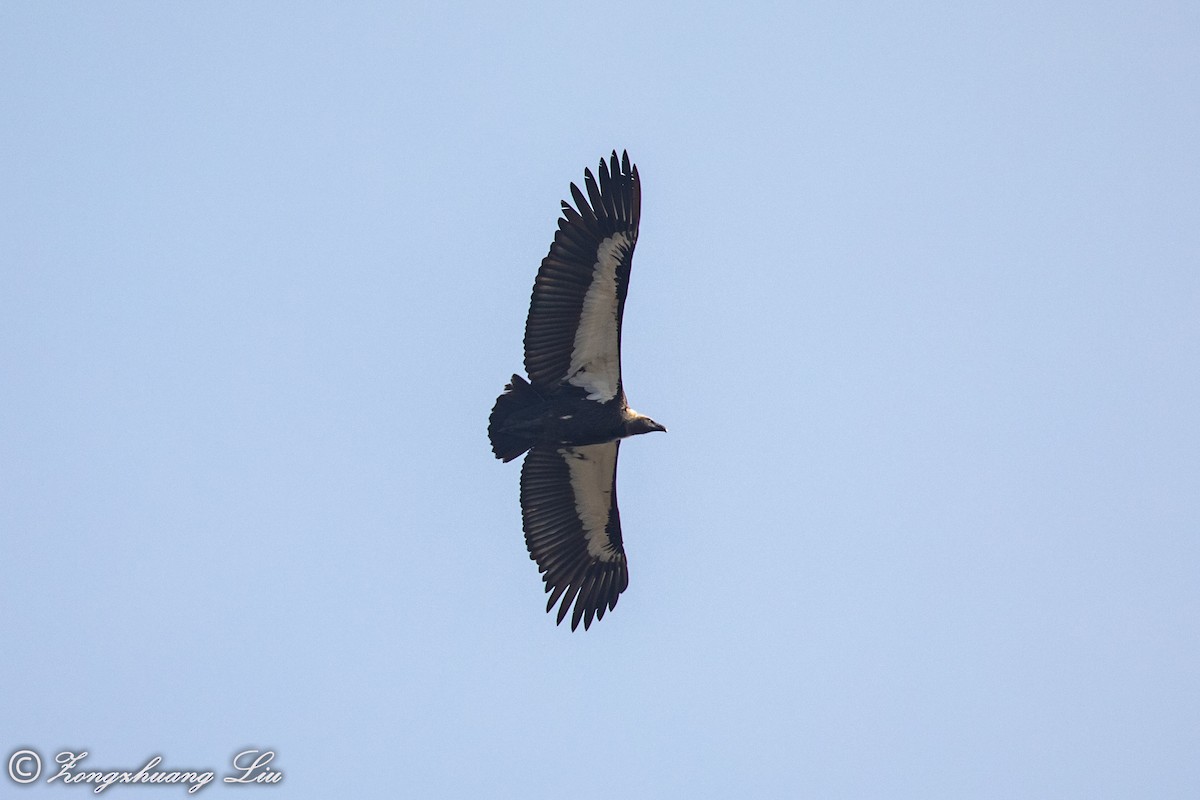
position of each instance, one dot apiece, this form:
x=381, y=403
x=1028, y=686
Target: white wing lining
x=595, y=358
x=592, y=468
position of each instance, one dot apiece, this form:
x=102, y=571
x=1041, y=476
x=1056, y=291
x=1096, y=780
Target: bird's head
x=640, y=424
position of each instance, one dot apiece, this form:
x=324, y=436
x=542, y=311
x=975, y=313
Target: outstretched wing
x=573, y=332
x=572, y=528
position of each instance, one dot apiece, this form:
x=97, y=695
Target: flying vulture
x=572, y=414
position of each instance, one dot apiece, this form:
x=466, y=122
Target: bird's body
x=572, y=412
x=561, y=419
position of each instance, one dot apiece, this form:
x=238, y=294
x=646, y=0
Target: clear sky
x=917, y=294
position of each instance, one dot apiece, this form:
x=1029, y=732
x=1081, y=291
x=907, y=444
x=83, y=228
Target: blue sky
x=916, y=294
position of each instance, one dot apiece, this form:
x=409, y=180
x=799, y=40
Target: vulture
x=571, y=414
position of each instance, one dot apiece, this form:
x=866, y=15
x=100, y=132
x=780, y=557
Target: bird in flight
x=572, y=413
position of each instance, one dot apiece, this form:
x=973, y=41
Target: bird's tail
x=508, y=442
